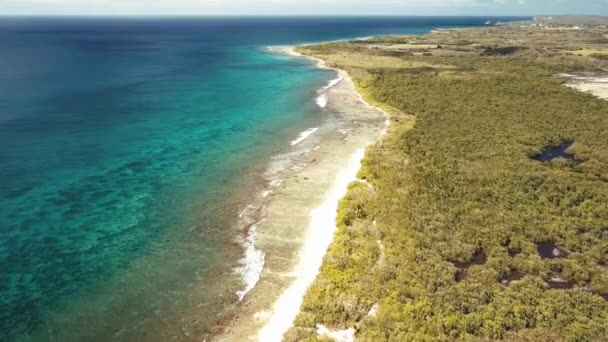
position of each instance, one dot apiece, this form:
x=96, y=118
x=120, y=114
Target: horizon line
x=282, y=15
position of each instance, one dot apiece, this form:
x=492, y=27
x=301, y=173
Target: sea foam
x=333, y=82
x=252, y=263
x=322, y=99
x=304, y=135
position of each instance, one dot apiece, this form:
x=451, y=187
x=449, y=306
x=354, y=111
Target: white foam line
x=304, y=135
x=322, y=101
x=275, y=183
x=318, y=238
x=252, y=263
x=333, y=82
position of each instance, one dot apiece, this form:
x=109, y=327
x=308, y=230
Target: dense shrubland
x=447, y=231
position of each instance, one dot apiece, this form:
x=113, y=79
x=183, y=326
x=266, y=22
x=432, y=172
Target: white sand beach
x=297, y=220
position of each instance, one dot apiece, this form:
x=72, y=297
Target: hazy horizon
x=309, y=8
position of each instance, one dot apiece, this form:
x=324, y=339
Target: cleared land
x=484, y=212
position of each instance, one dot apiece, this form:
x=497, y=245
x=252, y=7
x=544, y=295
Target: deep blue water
x=122, y=144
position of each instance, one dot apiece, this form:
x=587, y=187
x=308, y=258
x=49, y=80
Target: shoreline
x=457, y=188
x=294, y=226
x=318, y=239
x=322, y=224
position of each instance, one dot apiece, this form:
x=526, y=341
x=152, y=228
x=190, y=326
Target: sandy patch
x=596, y=84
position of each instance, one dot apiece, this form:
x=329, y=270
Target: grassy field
x=467, y=228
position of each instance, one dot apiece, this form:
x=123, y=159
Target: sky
x=302, y=7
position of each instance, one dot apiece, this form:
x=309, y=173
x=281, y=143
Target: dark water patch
x=512, y=250
x=512, y=276
x=461, y=274
x=480, y=258
x=559, y=283
x=549, y=250
x=19, y=191
x=500, y=51
x=551, y=152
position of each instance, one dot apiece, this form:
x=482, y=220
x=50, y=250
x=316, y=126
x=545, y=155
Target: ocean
x=129, y=147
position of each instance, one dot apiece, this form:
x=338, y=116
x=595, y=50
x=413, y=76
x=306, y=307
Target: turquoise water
x=129, y=146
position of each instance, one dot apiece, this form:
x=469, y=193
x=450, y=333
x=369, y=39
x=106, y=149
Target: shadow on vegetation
x=479, y=258
x=500, y=51
x=511, y=277
x=514, y=251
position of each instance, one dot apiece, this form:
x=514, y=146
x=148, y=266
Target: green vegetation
x=446, y=234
